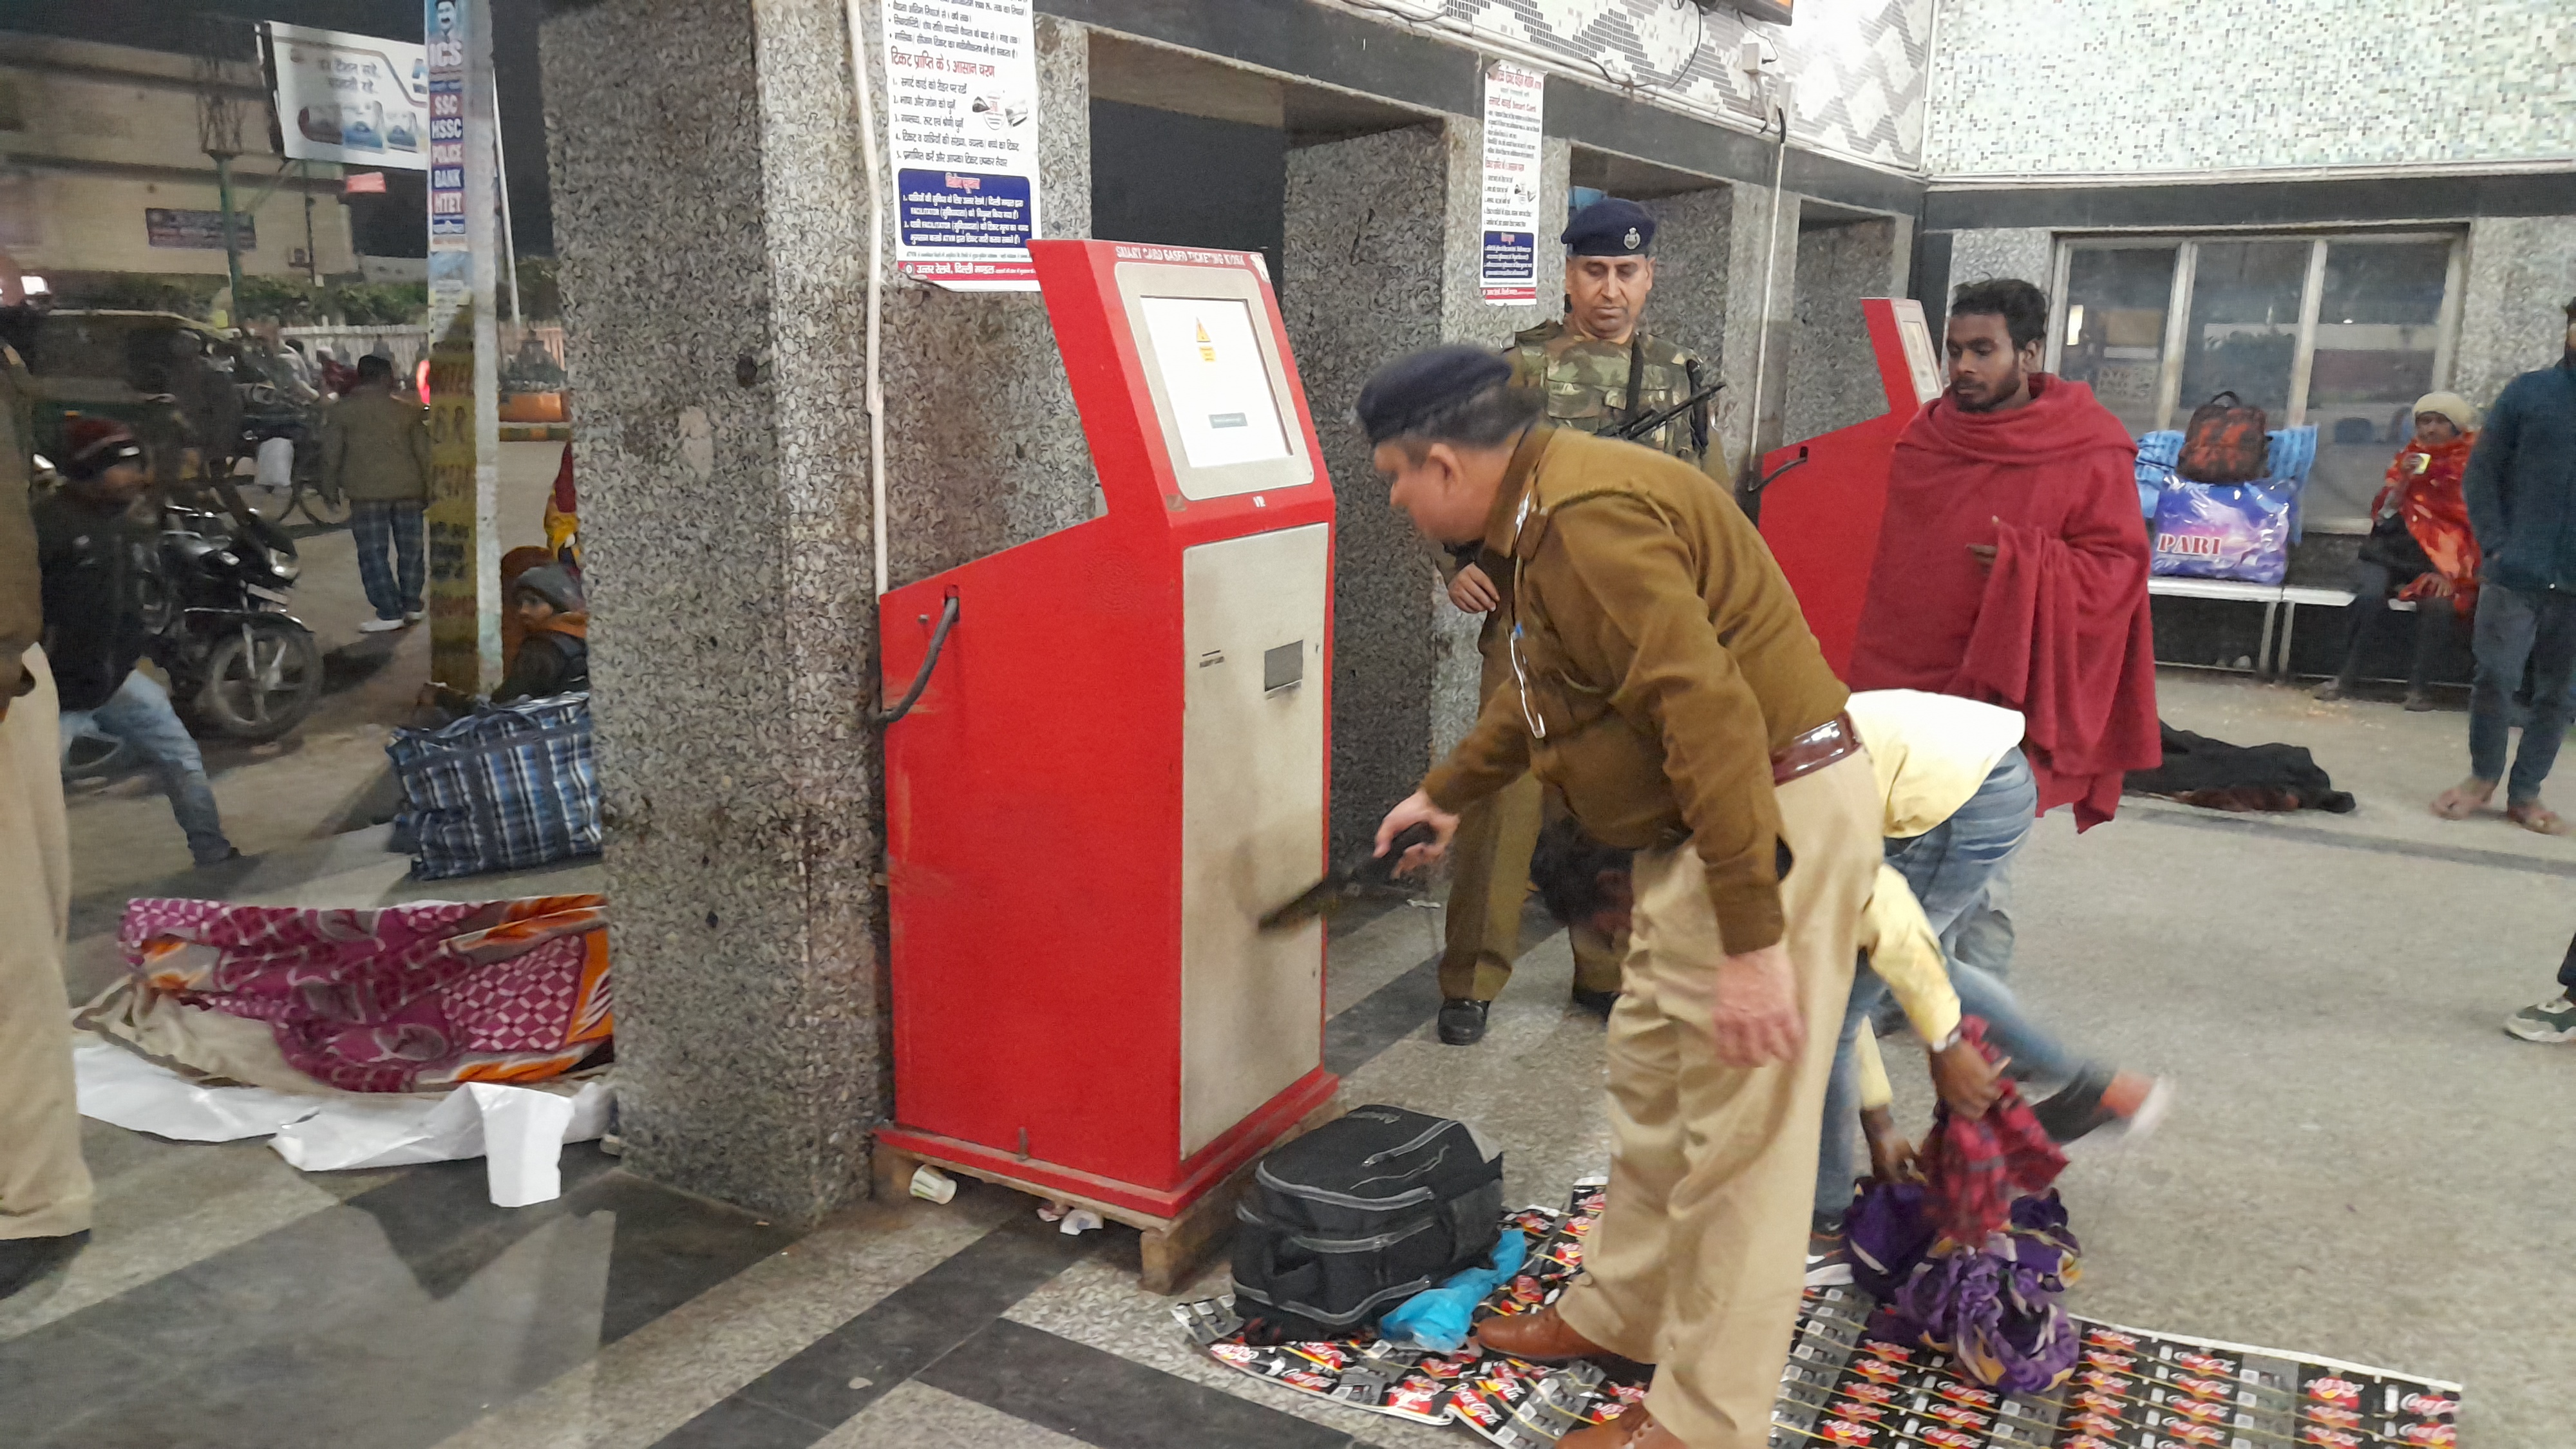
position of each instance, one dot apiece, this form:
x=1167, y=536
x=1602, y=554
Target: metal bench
x=2280, y=607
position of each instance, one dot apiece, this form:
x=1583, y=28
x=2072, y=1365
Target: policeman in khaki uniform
x=44, y=1186
x=1598, y=370
x=1663, y=679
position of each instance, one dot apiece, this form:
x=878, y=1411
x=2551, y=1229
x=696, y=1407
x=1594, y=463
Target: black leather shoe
x=1596, y=1002
x=1462, y=1022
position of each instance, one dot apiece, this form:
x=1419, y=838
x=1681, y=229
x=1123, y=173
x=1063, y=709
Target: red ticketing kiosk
x=1119, y=763
x=1822, y=519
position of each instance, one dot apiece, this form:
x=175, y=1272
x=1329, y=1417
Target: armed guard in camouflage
x=1601, y=373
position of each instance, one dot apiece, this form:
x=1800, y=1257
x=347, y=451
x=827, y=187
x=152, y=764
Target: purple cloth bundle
x=1993, y=1308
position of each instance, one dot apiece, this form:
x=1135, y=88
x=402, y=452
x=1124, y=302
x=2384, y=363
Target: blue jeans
x=393, y=584
x=139, y=714
x=1956, y=870
x=2516, y=628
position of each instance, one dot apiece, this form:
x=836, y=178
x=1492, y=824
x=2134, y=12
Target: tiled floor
x=2360, y=1165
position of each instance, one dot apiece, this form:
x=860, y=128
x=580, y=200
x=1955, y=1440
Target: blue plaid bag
x=508, y=787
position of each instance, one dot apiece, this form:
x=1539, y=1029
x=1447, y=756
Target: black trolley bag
x=1346, y=1222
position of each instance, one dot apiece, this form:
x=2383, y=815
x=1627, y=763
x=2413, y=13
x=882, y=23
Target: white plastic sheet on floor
x=332, y=1133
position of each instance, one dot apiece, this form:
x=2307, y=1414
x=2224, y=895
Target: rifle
x=1631, y=432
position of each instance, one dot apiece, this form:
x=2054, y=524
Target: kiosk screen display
x=1216, y=381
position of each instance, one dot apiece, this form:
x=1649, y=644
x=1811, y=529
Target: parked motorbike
x=239, y=663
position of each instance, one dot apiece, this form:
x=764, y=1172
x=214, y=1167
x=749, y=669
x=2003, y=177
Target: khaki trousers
x=1698, y=1261
x=44, y=1185
x=1489, y=877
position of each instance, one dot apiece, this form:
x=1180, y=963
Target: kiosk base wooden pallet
x=1175, y=1248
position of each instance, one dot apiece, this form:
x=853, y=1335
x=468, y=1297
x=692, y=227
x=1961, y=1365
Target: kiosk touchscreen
x=1119, y=762
x=1821, y=515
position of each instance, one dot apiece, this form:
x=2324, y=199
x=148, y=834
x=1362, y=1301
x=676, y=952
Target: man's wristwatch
x=1947, y=1042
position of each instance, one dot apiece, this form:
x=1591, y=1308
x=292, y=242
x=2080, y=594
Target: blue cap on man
x=1411, y=389
x=1611, y=227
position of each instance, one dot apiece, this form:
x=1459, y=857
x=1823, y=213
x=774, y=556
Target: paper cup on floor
x=523, y=1133
x=931, y=1183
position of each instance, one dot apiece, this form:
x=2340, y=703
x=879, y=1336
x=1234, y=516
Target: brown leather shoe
x=1541, y=1337
x=1634, y=1429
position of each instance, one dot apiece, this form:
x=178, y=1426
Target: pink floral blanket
x=400, y=999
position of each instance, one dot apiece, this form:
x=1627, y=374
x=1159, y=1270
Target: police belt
x=1833, y=740
x=1827, y=743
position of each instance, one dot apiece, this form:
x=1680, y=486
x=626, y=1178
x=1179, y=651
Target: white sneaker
x=379, y=626
x=2550, y=1021
x=414, y=616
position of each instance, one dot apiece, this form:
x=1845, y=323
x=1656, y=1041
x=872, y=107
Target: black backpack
x=1358, y=1215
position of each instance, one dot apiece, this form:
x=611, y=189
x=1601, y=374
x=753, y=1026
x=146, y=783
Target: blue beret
x=1610, y=227
x=1409, y=389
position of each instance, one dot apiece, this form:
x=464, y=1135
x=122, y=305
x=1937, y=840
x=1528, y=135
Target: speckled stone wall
x=1748, y=244
x=711, y=219
x=1382, y=246
x=2031, y=87
x=2026, y=252
x=1694, y=239
x=983, y=447
x=1833, y=379
x=2521, y=271
x=1363, y=273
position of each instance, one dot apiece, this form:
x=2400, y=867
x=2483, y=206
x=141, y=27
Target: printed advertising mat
x=1846, y=1386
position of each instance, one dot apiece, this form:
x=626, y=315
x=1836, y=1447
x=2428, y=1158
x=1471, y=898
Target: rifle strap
x=1636, y=373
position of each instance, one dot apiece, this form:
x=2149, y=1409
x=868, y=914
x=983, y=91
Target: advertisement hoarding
x=355, y=99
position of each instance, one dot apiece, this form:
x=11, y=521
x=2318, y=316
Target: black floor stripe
x=2377, y=845
x=1113, y=1402
x=1358, y=1032
x=841, y=1373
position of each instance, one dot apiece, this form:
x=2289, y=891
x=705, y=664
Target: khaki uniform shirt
x=1659, y=660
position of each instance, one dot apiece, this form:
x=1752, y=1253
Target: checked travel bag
x=1346, y=1222
x=508, y=787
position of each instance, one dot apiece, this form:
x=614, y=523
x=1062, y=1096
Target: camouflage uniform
x=1586, y=383
x=1587, y=386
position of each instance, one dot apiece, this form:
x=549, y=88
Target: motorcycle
x=240, y=665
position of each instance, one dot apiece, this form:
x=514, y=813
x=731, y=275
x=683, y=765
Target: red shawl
x=2428, y=497
x=2058, y=628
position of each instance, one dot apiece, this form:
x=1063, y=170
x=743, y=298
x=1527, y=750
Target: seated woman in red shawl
x=2419, y=545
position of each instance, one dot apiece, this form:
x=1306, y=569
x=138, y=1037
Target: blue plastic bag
x=2238, y=531
x=2156, y=455
x=1437, y=1318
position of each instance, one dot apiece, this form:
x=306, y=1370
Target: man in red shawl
x=2012, y=569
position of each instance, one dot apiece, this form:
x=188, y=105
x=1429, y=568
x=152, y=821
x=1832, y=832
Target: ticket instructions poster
x=962, y=141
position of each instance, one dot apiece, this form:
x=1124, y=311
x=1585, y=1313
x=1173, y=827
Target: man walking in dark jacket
x=375, y=452
x=93, y=554
x=2521, y=491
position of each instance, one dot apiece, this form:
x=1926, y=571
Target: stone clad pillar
x=711, y=215
x=1383, y=242
x=1757, y=209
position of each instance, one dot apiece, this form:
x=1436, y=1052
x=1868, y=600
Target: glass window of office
x=2344, y=332
x=2114, y=329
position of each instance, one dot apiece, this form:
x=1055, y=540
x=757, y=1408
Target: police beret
x=1610, y=227
x=1409, y=389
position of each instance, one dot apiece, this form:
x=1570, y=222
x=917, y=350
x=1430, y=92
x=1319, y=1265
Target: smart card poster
x=962, y=134
x=1514, y=100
